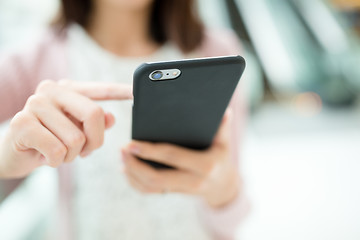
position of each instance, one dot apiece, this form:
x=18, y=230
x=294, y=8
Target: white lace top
x=105, y=205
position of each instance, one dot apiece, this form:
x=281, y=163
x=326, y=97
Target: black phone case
x=185, y=111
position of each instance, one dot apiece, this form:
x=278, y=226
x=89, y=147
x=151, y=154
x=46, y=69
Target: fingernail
x=134, y=149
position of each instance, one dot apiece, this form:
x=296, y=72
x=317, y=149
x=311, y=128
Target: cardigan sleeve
x=224, y=222
x=16, y=85
x=20, y=73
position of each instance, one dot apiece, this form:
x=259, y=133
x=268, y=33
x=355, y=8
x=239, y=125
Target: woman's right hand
x=58, y=123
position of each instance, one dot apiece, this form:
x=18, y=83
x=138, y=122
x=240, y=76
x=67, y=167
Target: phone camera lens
x=157, y=75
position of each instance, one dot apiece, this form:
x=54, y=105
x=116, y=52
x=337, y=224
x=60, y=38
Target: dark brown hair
x=171, y=20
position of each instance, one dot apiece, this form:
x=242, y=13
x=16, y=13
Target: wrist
x=226, y=195
x=224, y=201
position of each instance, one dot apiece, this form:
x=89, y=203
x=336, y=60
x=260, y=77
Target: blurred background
x=301, y=154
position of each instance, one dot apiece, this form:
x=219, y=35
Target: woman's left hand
x=208, y=173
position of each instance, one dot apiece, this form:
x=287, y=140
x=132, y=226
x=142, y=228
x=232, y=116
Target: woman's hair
x=170, y=20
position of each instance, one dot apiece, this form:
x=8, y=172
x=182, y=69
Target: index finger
x=99, y=91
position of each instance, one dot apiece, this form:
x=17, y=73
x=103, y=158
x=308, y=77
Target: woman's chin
x=133, y=5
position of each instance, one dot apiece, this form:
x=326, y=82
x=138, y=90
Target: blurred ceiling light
x=307, y=104
x=347, y=3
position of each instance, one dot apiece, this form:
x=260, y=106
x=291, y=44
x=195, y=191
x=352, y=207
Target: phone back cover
x=188, y=110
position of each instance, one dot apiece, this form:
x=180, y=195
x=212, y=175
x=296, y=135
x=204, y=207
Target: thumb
x=99, y=91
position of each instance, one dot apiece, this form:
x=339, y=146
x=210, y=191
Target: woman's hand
x=210, y=173
x=58, y=123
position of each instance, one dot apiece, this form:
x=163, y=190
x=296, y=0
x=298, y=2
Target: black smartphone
x=183, y=102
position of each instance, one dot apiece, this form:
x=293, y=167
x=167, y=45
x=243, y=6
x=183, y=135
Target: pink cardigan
x=21, y=73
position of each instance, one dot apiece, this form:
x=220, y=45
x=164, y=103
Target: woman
x=99, y=44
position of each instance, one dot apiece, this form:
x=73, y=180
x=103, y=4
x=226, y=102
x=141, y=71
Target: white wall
x=21, y=21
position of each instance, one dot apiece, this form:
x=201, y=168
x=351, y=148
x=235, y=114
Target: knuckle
x=96, y=112
x=45, y=86
x=35, y=101
x=20, y=120
x=77, y=138
x=58, y=154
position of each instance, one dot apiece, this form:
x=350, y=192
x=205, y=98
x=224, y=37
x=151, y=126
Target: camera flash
x=175, y=73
